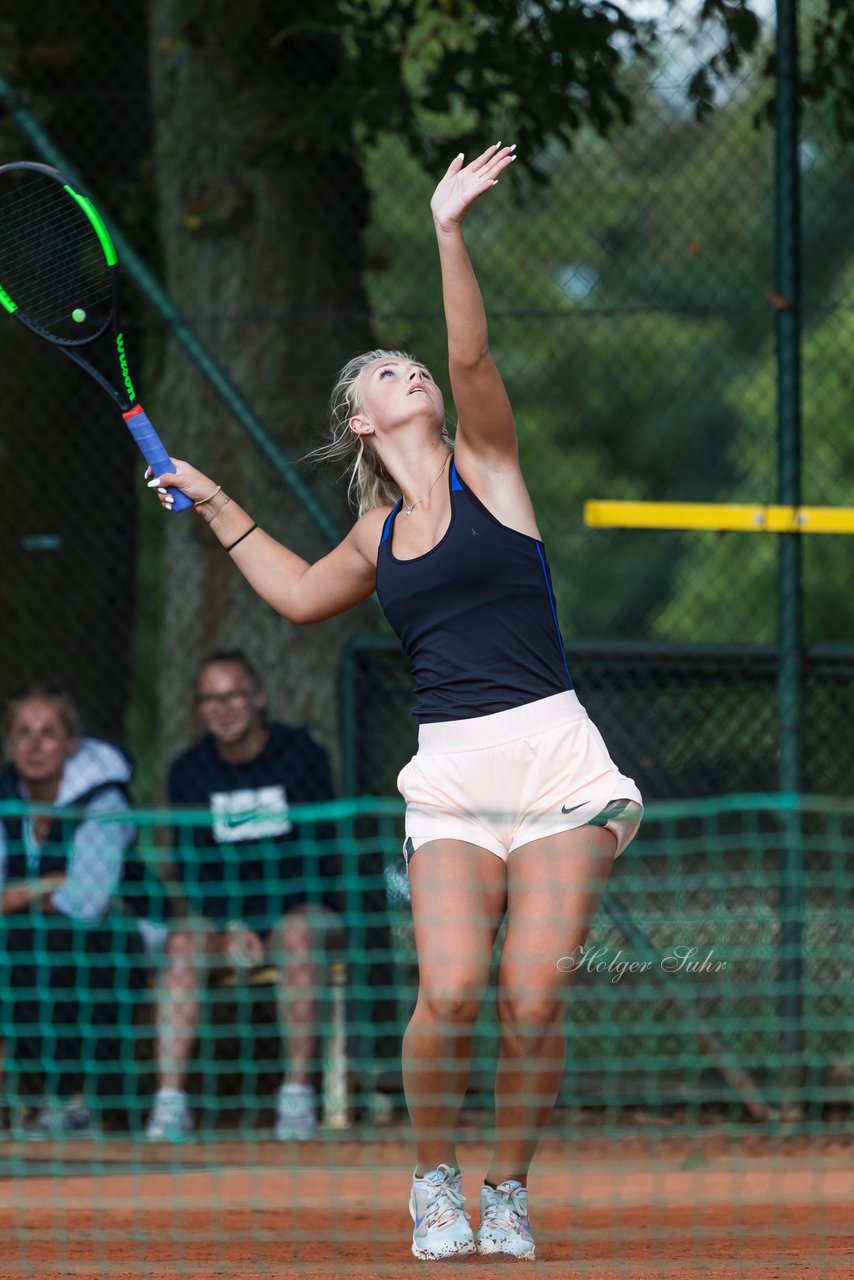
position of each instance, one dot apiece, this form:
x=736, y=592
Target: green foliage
x=356, y=69
x=710, y=565
x=827, y=73
x=738, y=29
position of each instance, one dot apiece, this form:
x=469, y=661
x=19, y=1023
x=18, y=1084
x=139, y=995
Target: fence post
x=787, y=286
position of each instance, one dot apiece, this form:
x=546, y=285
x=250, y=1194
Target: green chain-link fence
x=634, y=307
x=686, y=952
x=675, y=1028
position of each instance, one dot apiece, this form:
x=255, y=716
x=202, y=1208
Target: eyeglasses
x=231, y=698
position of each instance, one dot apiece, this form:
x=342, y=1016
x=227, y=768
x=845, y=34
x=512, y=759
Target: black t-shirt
x=252, y=863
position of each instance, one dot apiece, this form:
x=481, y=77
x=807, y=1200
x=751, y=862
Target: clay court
x=632, y=1206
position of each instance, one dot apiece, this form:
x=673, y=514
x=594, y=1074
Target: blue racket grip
x=153, y=450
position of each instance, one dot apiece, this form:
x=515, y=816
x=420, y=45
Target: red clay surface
x=625, y=1207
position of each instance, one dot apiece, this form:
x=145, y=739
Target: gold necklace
x=409, y=509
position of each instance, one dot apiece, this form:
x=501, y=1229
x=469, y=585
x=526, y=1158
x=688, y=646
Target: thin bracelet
x=251, y=529
x=201, y=502
x=216, y=515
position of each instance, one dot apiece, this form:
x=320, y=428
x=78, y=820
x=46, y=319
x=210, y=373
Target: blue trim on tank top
x=550, y=594
x=389, y=520
x=456, y=485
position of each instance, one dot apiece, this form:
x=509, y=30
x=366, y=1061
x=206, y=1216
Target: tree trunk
x=263, y=256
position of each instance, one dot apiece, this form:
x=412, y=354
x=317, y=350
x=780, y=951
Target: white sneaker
x=58, y=1120
x=170, y=1119
x=441, y=1223
x=504, y=1223
x=296, y=1117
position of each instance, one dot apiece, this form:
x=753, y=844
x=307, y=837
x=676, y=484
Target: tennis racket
x=58, y=276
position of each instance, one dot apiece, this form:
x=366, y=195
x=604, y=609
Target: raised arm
x=299, y=591
x=485, y=428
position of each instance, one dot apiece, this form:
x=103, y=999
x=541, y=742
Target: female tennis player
x=514, y=807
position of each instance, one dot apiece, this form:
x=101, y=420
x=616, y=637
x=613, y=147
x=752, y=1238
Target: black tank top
x=476, y=615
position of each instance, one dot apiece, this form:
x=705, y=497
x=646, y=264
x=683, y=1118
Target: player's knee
x=451, y=1006
x=530, y=1014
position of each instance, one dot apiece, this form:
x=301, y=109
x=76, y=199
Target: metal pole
x=787, y=281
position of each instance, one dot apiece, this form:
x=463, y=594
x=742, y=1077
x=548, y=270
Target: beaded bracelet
x=201, y=502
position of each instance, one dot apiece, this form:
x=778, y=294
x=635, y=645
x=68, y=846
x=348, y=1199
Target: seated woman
x=65, y=959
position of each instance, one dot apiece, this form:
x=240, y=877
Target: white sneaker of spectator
x=60, y=1120
x=296, y=1113
x=170, y=1119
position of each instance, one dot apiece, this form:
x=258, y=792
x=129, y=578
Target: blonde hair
x=369, y=484
x=57, y=698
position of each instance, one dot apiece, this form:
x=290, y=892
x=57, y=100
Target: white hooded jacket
x=94, y=778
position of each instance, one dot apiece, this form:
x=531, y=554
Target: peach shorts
x=503, y=780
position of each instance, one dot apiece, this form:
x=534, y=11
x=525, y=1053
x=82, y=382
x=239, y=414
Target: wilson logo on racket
x=123, y=365
x=59, y=277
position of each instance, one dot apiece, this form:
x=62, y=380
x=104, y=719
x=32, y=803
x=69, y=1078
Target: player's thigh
x=458, y=893
x=554, y=887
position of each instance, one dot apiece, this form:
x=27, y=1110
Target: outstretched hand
x=465, y=183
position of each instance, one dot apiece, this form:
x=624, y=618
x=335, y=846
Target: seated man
x=65, y=959
x=249, y=883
